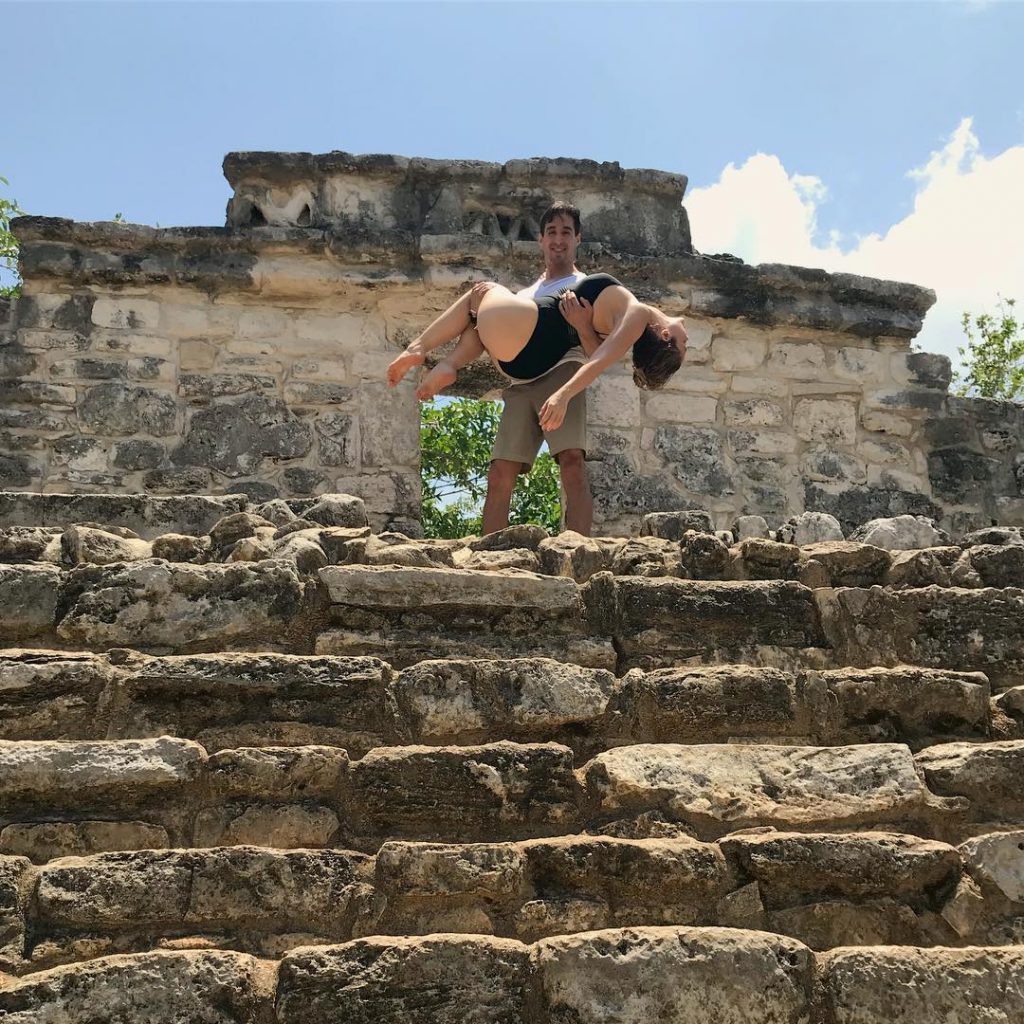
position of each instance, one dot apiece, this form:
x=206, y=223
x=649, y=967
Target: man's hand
x=552, y=412
x=578, y=313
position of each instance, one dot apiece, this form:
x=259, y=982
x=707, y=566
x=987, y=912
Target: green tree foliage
x=8, y=243
x=455, y=450
x=993, y=358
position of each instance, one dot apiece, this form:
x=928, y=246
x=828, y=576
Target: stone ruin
x=264, y=759
x=250, y=358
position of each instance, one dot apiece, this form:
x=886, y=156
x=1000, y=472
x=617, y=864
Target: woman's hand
x=552, y=412
x=577, y=312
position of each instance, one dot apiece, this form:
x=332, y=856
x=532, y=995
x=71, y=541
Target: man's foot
x=401, y=366
x=440, y=377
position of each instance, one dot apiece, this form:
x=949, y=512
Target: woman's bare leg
x=450, y=324
x=444, y=374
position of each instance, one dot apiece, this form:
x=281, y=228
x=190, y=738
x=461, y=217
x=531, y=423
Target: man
x=519, y=432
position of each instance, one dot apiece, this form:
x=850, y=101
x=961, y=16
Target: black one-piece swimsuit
x=553, y=336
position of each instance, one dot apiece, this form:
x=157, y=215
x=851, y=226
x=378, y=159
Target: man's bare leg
x=501, y=482
x=450, y=324
x=444, y=374
x=579, y=504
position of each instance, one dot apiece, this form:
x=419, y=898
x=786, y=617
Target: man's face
x=559, y=243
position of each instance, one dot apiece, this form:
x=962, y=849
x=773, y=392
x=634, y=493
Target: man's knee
x=503, y=474
x=572, y=463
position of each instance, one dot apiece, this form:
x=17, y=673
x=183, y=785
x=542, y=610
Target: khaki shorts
x=519, y=434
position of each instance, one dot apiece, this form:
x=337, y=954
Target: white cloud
x=964, y=236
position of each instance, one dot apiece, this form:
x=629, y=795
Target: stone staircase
x=261, y=765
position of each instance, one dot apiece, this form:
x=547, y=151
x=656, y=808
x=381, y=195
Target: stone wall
x=251, y=358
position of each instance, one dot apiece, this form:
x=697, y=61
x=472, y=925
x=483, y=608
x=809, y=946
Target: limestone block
x=173, y=605
x=866, y=366
x=524, y=535
x=647, y=556
x=996, y=860
x=78, y=775
x=703, y=556
x=988, y=774
x=754, y=412
x=997, y=535
x=264, y=323
x=695, y=381
x=764, y=442
x=178, y=547
x=187, y=987
x=655, y=620
x=673, y=525
x=28, y=600
x=122, y=409
x=502, y=791
x=46, y=695
x=997, y=565
x=792, y=867
x=829, y=464
x=747, y=527
x=698, y=340
x=717, y=789
x=278, y=773
x=184, y=321
x=737, y=353
x=395, y=588
x=824, y=421
x=908, y=703
x=613, y=400
x=282, y=826
x=572, y=555
x=15, y=875
x=495, y=561
x=48, y=840
x=32, y=392
x=635, y=881
x=749, y=384
x=124, y=312
x=233, y=437
x=255, y=700
x=677, y=408
x=256, y=889
x=448, y=979
x=438, y=702
x=885, y=477
x=492, y=870
x=29, y=544
x=904, y=985
x=345, y=510
x=810, y=528
x=675, y=975
x=82, y=545
x=886, y=423
x=900, y=533
x=710, y=704
x=763, y=559
x=922, y=568
x=847, y=563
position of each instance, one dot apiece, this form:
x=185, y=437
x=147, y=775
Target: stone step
x=826, y=890
x=410, y=614
x=240, y=699
x=61, y=798
x=615, y=976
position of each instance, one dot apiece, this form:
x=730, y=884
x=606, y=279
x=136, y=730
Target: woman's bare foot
x=440, y=377
x=401, y=366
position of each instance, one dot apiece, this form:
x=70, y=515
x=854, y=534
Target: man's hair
x=654, y=360
x=561, y=209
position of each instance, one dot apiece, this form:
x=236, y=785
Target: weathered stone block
x=48, y=840
x=176, y=605
x=448, y=979
x=28, y=600
x=737, y=353
x=462, y=702
x=14, y=896
x=995, y=860
x=630, y=976
x=121, y=409
x=63, y=776
x=988, y=774
x=503, y=790
x=123, y=312
x=826, y=422
x=903, y=985
x=194, y=987
x=718, y=789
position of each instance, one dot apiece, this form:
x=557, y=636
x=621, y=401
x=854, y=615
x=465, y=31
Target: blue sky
x=130, y=107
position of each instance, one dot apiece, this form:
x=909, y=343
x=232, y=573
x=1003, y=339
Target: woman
x=528, y=337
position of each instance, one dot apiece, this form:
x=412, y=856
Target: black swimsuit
x=553, y=336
